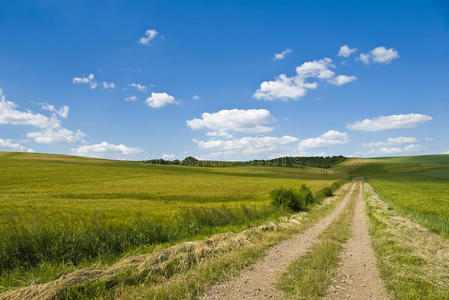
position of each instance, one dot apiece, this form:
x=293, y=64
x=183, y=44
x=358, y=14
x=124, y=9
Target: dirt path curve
x=257, y=280
x=357, y=276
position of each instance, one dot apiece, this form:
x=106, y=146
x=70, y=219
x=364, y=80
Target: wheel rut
x=257, y=281
x=357, y=276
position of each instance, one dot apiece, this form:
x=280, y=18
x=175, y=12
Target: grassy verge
x=37, y=251
x=413, y=262
x=193, y=280
x=307, y=276
x=422, y=197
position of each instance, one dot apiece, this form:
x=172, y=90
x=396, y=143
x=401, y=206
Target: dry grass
x=163, y=263
x=413, y=261
x=307, y=276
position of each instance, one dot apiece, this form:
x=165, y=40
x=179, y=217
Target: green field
x=415, y=186
x=421, y=196
x=60, y=211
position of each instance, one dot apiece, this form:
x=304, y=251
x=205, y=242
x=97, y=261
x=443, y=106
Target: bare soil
x=357, y=276
x=257, y=281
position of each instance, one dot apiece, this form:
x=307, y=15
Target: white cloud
x=220, y=133
x=330, y=138
x=395, y=150
x=446, y=152
x=223, y=122
x=63, y=112
x=345, y=51
x=131, y=98
x=10, y=115
x=108, y=85
x=283, y=54
x=106, y=150
x=90, y=80
x=157, y=100
x=50, y=128
x=390, y=122
x=196, y=97
x=150, y=34
x=249, y=145
x=316, y=69
x=8, y=145
x=139, y=87
x=380, y=55
x=288, y=88
x=393, y=146
x=266, y=147
x=57, y=136
x=283, y=88
x=168, y=156
x=391, y=142
x=402, y=140
x=341, y=79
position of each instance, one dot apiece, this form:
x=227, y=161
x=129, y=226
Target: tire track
x=357, y=277
x=257, y=281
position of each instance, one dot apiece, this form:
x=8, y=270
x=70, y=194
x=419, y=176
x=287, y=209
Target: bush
x=327, y=191
x=295, y=200
x=287, y=198
x=305, y=193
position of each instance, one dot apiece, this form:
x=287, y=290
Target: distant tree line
x=288, y=161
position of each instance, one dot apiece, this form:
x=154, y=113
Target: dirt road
x=257, y=281
x=357, y=276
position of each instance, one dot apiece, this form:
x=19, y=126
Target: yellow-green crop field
x=57, y=212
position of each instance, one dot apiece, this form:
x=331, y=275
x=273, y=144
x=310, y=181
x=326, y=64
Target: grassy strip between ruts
x=308, y=276
x=413, y=262
x=192, y=281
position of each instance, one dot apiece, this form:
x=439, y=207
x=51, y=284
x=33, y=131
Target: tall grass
x=28, y=241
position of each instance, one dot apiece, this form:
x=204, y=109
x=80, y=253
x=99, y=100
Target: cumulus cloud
x=395, y=150
x=50, y=128
x=196, y=97
x=157, y=100
x=345, y=51
x=390, y=122
x=90, y=80
x=63, y=112
x=224, y=122
x=341, y=79
x=57, y=136
x=108, y=85
x=392, y=141
x=282, y=55
x=138, y=86
x=330, y=138
x=168, y=156
x=307, y=76
x=380, y=55
x=283, y=88
x=131, y=98
x=249, y=145
x=106, y=150
x=150, y=34
x=9, y=114
x=393, y=146
x=10, y=146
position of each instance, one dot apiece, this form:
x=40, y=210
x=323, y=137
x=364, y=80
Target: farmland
x=417, y=187
x=59, y=212
x=62, y=213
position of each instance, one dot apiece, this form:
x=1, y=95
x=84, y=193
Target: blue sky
x=177, y=78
